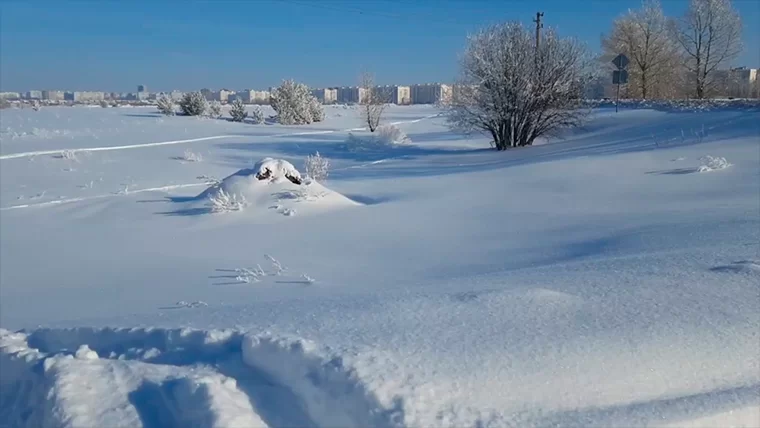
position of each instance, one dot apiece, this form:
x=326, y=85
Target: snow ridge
x=181, y=377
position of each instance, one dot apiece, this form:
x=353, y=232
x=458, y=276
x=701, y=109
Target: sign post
x=619, y=76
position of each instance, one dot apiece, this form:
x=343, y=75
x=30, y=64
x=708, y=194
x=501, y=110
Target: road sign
x=620, y=77
x=620, y=61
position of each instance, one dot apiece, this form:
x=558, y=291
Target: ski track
x=191, y=140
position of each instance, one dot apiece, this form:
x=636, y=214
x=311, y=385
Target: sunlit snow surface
x=596, y=279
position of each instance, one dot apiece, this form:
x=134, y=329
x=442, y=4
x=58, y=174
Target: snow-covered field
x=610, y=277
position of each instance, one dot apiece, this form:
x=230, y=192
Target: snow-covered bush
x=104, y=104
x=713, y=163
x=277, y=170
x=190, y=156
x=384, y=136
x=214, y=109
x=68, y=155
x=317, y=110
x=193, y=104
x=317, y=167
x=36, y=105
x=257, y=116
x=237, y=112
x=295, y=104
x=165, y=105
x=392, y=134
x=223, y=202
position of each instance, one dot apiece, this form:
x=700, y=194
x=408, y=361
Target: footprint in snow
x=741, y=266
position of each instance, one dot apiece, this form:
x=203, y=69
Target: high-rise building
x=430, y=93
x=53, y=95
x=142, y=88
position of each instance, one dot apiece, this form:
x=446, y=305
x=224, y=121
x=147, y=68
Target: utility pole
x=539, y=26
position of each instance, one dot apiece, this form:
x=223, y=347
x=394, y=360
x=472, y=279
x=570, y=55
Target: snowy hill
x=610, y=277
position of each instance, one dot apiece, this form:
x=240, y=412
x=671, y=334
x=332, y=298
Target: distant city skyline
x=114, y=46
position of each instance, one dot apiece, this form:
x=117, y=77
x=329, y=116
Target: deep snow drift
x=603, y=279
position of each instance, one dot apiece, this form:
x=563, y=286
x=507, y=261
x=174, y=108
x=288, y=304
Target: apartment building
x=430, y=93
x=9, y=95
x=349, y=94
x=84, y=96
x=34, y=95
x=395, y=94
x=326, y=95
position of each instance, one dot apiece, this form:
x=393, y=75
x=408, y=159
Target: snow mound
x=184, y=377
x=713, y=163
x=273, y=185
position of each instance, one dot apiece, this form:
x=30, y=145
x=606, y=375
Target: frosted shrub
x=317, y=167
x=104, y=104
x=237, y=112
x=223, y=202
x=193, y=104
x=68, y=155
x=192, y=157
x=214, y=109
x=713, y=163
x=165, y=105
x=391, y=134
x=316, y=110
x=257, y=116
x=36, y=105
x=295, y=105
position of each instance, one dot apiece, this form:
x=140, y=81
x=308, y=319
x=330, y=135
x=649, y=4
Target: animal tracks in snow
x=257, y=274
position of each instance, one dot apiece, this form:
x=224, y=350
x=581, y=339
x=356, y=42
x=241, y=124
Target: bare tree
x=710, y=35
x=372, y=101
x=643, y=36
x=516, y=92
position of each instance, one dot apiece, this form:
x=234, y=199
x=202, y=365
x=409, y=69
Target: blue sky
x=176, y=44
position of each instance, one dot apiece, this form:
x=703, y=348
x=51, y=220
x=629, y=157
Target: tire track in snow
x=192, y=140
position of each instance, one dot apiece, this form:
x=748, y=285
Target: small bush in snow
x=317, y=167
x=237, y=112
x=223, y=202
x=710, y=163
x=165, y=105
x=36, y=105
x=384, y=135
x=295, y=105
x=214, y=109
x=391, y=134
x=104, y=104
x=191, y=156
x=316, y=110
x=257, y=116
x=193, y=104
x=68, y=155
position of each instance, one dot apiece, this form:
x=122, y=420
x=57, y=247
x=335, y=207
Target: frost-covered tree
x=36, y=106
x=193, y=104
x=316, y=110
x=317, y=167
x=709, y=34
x=513, y=92
x=643, y=36
x=257, y=116
x=214, y=109
x=293, y=103
x=237, y=112
x=165, y=105
x=372, y=102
